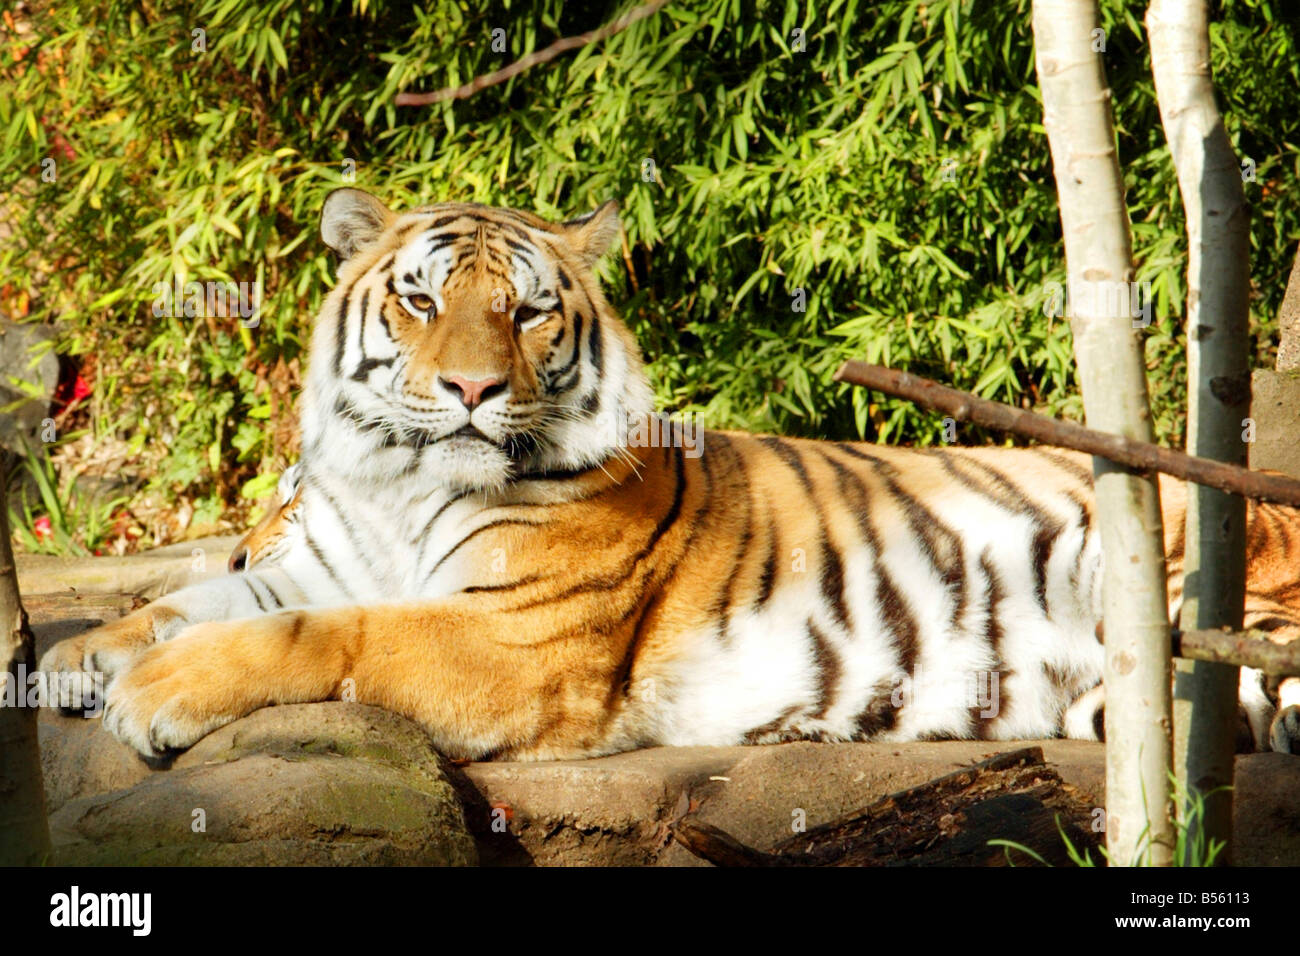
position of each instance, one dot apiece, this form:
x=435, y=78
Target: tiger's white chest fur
x=389, y=546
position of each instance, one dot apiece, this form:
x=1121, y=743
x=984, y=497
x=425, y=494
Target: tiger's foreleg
x=75, y=668
x=477, y=681
x=1284, y=732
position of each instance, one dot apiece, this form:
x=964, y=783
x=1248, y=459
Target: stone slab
x=149, y=574
x=107, y=805
x=1275, y=408
x=616, y=810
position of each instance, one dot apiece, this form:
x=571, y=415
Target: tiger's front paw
x=77, y=669
x=70, y=681
x=1284, y=732
x=173, y=694
x=73, y=673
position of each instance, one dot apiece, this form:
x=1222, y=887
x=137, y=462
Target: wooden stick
x=1140, y=455
x=719, y=847
x=1244, y=648
x=532, y=59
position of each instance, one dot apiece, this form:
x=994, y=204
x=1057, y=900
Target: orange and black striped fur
x=488, y=537
x=270, y=537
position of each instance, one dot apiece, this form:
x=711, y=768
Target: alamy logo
x=1131, y=300
x=102, y=909
x=653, y=431
x=974, y=690
x=73, y=690
x=218, y=300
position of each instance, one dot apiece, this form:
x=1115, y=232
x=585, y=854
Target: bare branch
x=532, y=59
x=1239, y=648
x=1140, y=455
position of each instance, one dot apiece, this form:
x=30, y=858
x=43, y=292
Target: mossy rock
x=308, y=784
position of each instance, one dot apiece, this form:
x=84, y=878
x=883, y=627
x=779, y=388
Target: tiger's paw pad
x=1284, y=733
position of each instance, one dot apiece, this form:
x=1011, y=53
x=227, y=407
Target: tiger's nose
x=472, y=394
x=238, y=559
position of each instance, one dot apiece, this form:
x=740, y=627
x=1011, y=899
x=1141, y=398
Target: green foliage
x=778, y=170
x=1072, y=853
x=1191, y=845
x=78, y=522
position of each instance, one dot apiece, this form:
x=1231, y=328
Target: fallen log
x=948, y=821
x=1140, y=455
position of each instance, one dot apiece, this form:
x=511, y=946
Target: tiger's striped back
x=965, y=559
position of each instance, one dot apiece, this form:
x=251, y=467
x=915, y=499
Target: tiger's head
x=268, y=537
x=467, y=345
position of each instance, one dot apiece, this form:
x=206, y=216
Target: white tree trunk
x=1112, y=374
x=1218, y=393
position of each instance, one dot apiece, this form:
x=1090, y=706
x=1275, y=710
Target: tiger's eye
x=526, y=312
x=422, y=302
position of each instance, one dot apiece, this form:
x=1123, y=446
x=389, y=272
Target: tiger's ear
x=351, y=219
x=590, y=236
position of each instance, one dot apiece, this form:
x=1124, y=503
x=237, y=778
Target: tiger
x=496, y=536
x=267, y=539
x=1083, y=717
